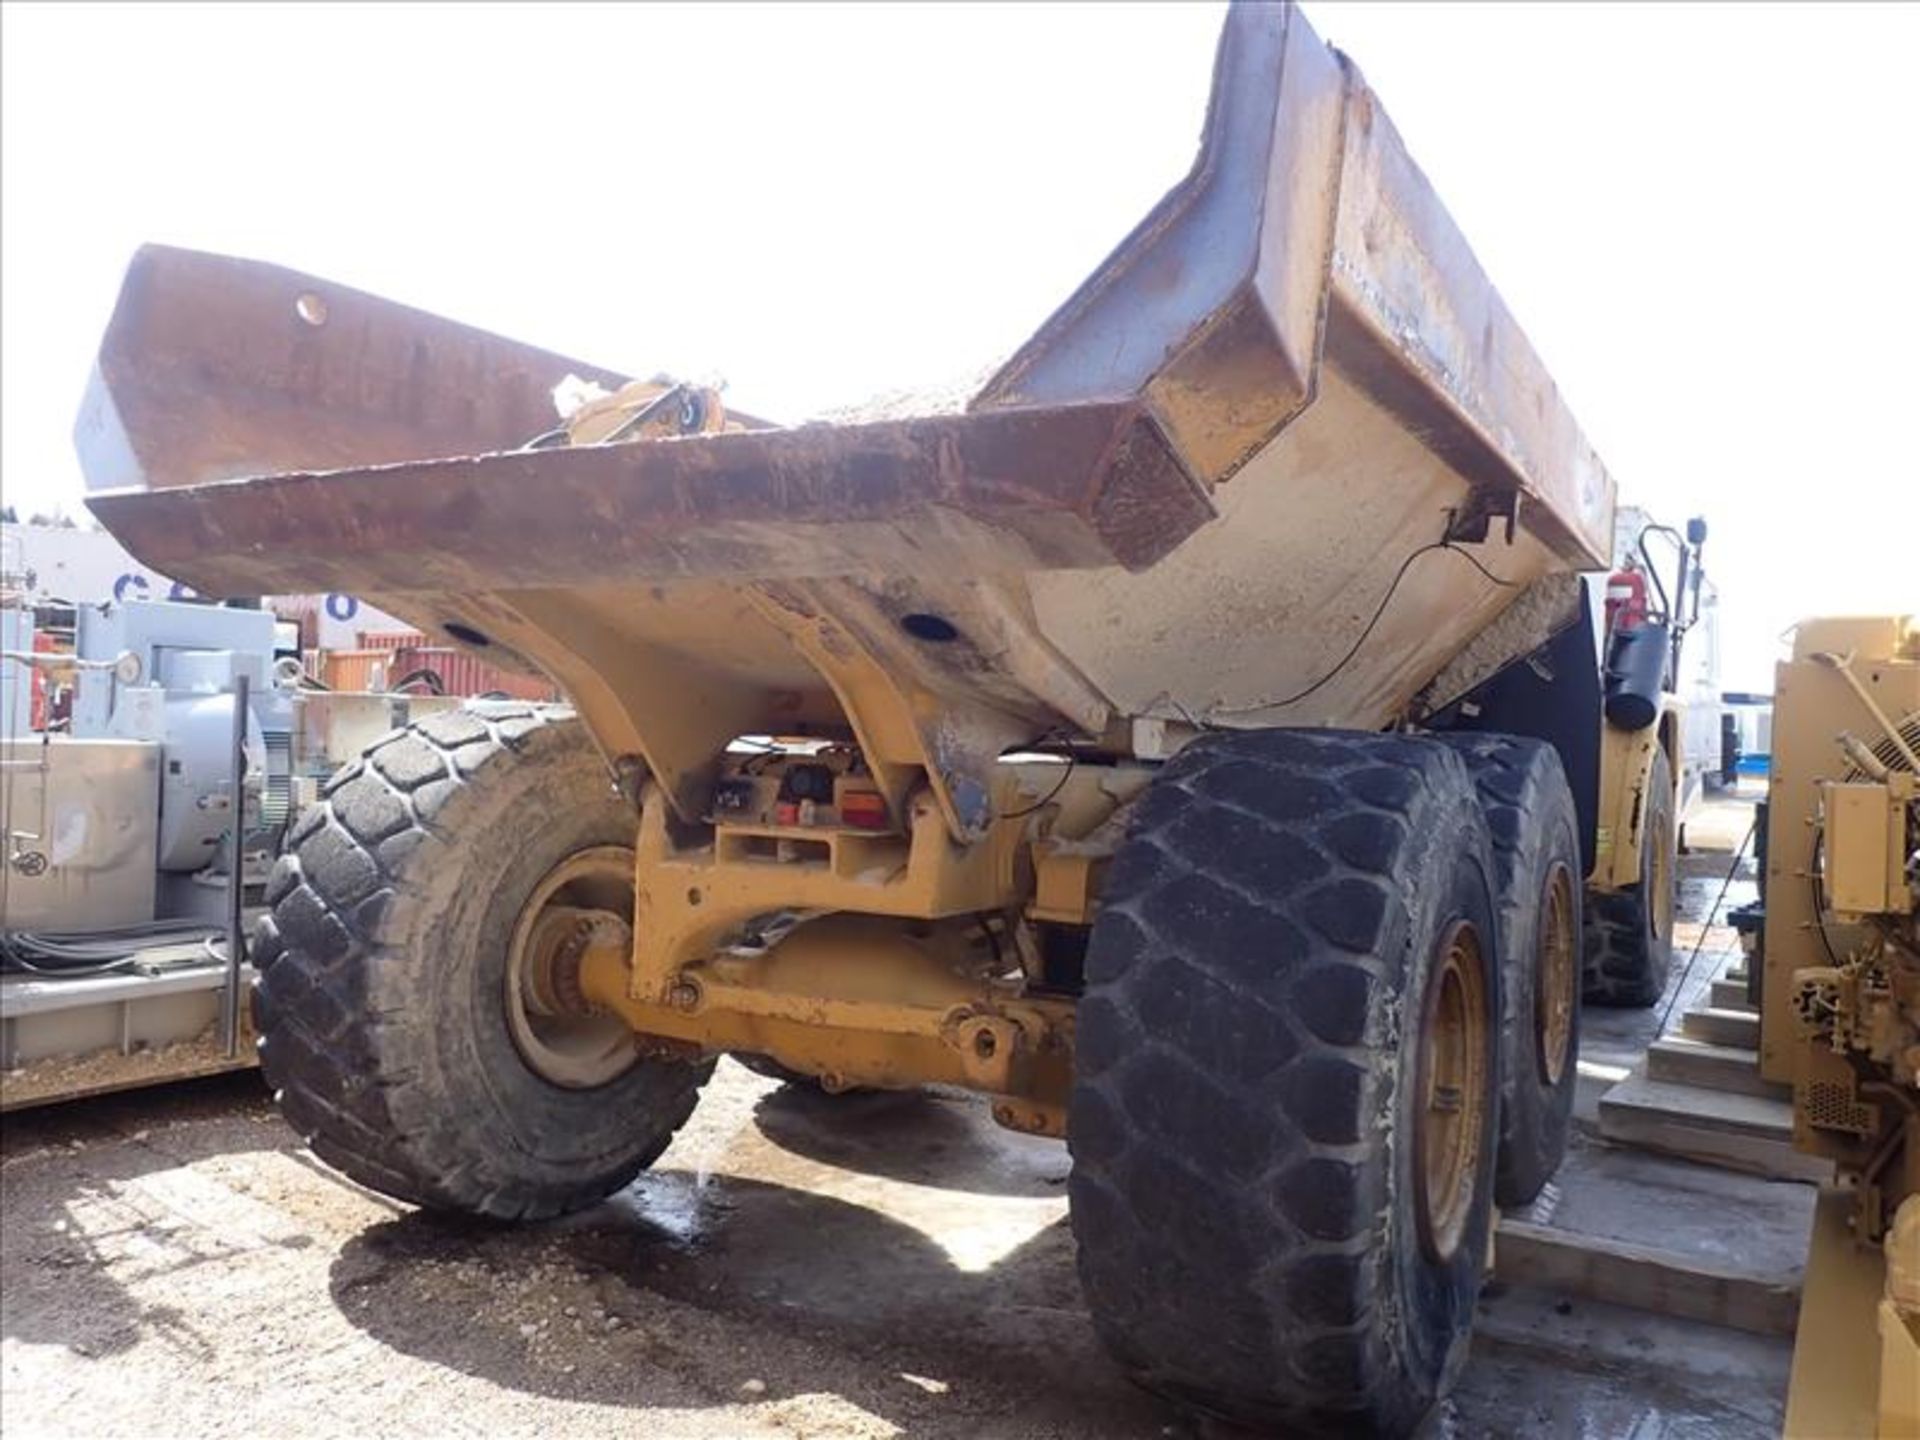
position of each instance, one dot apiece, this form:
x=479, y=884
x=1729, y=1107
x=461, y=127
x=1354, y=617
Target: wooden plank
x=1663, y=1281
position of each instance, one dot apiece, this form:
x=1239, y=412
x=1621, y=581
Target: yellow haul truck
x=1195, y=743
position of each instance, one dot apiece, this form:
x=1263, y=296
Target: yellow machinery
x=1199, y=744
x=1840, y=1008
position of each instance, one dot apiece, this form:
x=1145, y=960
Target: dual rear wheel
x=1331, y=1014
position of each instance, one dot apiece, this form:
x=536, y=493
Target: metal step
x=1667, y=1282
x=1717, y=1127
x=1682, y=1060
x=1731, y=994
x=1739, y=1029
x=1628, y=1227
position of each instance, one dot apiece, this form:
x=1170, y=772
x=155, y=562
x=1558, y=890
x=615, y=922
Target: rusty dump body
x=1179, y=502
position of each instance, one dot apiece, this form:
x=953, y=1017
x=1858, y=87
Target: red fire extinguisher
x=37, y=687
x=1626, y=601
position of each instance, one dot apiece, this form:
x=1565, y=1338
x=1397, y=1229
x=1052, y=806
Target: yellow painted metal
x=860, y=1000
x=1815, y=705
x=1557, y=981
x=646, y=410
x=880, y=704
x=885, y=959
x=1193, y=637
x=1899, y=1325
x=695, y=899
x=1862, y=864
x=1835, y=1387
x=852, y=970
x=1899, y=1329
x=1066, y=883
x=1452, y=1090
x=701, y=891
x=1899, y=1417
x=665, y=674
x=1626, y=769
x=1841, y=1010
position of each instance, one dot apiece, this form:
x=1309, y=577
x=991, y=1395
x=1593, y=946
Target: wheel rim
x=1659, y=841
x=1452, y=1094
x=1556, y=983
x=561, y=1036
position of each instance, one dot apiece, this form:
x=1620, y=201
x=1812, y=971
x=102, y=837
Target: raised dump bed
x=1181, y=499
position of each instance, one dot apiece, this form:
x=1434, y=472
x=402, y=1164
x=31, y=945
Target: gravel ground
x=174, y=1263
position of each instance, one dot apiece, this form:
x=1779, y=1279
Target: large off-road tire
x=1536, y=852
x=389, y=1032
x=1282, y=1120
x=1629, y=933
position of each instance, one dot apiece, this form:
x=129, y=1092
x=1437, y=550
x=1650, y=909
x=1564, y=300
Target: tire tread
x=1231, y=1039
x=340, y=1057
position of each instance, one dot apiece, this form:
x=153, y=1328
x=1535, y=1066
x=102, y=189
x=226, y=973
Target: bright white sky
x=1707, y=219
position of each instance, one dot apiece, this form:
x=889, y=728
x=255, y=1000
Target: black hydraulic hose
x=430, y=678
x=58, y=955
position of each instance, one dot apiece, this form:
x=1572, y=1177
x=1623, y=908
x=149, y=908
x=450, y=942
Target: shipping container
x=357, y=669
x=461, y=673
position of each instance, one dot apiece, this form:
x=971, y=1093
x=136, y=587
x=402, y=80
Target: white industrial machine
x=117, y=826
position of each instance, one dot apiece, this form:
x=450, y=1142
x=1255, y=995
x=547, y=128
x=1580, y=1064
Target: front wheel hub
x=585, y=901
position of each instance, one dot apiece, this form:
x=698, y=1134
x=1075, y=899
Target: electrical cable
x=63, y=955
x=1814, y=868
x=422, y=676
x=1443, y=543
x=1733, y=869
x=1055, y=733
x=1049, y=797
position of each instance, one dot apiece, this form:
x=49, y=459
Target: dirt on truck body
x=1195, y=744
